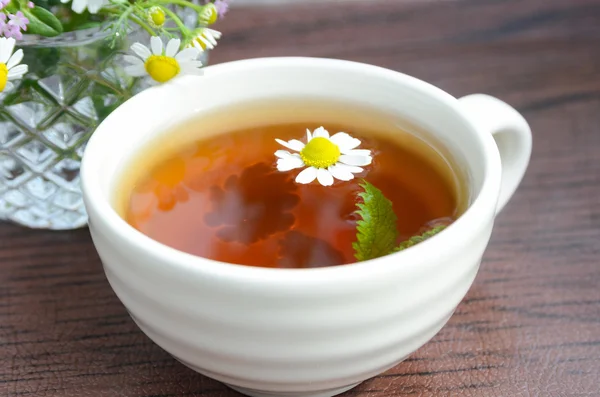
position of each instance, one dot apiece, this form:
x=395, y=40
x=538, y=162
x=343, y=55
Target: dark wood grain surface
x=530, y=326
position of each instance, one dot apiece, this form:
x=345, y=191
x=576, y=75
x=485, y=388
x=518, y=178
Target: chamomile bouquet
x=174, y=44
x=65, y=65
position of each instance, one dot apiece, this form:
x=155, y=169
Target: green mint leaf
x=376, y=232
x=420, y=238
x=42, y=22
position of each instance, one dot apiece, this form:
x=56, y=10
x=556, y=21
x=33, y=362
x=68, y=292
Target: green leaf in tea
x=420, y=238
x=377, y=234
x=376, y=230
x=42, y=22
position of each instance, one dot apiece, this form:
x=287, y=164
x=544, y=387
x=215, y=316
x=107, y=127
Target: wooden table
x=530, y=326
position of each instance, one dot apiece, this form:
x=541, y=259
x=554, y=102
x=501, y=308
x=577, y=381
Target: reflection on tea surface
x=252, y=206
x=222, y=197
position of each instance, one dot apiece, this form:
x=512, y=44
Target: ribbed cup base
x=323, y=393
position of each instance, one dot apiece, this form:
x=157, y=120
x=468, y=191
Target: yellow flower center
x=200, y=43
x=162, y=68
x=199, y=40
x=157, y=17
x=209, y=14
x=3, y=76
x=320, y=153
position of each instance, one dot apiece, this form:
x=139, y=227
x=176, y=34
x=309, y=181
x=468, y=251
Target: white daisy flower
x=162, y=64
x=205, y=38
x=326, y=157
x=9, y=64
x=79, y=6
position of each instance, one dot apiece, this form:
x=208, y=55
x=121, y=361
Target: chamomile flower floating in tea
x=162, y=64
x=325, y=157
x=226, y=197
x=9, y=63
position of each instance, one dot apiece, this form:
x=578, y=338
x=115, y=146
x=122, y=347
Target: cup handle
x=511, y=133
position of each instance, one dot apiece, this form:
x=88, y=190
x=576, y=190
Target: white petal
x=359, y=152
x=197, y=46
x=355, y=160
x=308, y=135
x=9, y=86
x=141, y=50
x=307, y=176
x=133, y=60
x=290, y=163
x=172, y=47
x=282, y=154
x=344, y=141
x=156, y=44
x=135, y=70
x=209, y=45
x=209, y=38
x=321, y=132
x=79, y=6
x=6, y=48
x=187, y=54
x=325, y=178
x=190, y=64
x=340, y=173
x=210, y=35
x=214, y=33
x=350, y=168
x=17, y=72
x=294, y=144
x=95, y=5
x=192, y=71
x=15, y=59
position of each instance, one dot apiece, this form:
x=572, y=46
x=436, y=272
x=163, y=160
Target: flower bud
x=209, y=14
x=156, y=17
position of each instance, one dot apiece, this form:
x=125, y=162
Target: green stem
x=144, y=25
x=183, y=3
x=124, y=16
x=90, y=76
x=184, y=30
x=113, y=11
x=119, y=23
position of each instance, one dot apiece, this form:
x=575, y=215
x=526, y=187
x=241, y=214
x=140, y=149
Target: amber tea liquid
x=211, y=188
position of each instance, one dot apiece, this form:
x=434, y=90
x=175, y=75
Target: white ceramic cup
x=301, y=332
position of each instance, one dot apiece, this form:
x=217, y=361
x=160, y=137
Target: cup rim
x=409, y=261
